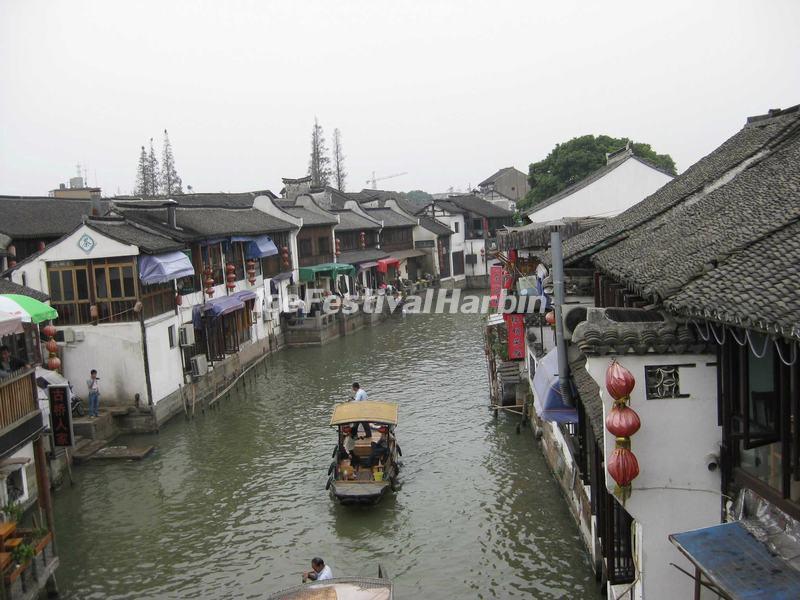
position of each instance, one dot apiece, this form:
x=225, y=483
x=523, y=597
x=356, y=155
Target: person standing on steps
x=93, y=383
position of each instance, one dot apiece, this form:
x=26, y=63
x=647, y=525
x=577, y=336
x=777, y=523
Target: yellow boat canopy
x=365, y=410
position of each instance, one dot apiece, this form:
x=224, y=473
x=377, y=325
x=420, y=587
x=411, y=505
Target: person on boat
x=319, y=571
x=359, y=394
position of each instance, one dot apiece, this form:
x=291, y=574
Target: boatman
x=319, y=571
x=359, y=394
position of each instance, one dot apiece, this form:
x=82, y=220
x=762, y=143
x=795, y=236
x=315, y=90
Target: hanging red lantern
x=622, y=421
x=40, y=246
x=178, y=299
x=93, y=311
x=619, y=381
x=338, y=246
x=251, y=271
x=622, y=464
x=550, y=318
x=54, y=363
x=362, y=240
x=52, y=346
x=49, y=330
x=285, y=256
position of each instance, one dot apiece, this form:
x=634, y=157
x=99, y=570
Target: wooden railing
x=18, y=397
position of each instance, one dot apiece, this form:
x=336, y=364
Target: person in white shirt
x=360, y=394
x=319, y=571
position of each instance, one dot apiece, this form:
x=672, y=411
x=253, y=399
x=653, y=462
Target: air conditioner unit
x=254, y=315
x=186, y=335
x=199, y=365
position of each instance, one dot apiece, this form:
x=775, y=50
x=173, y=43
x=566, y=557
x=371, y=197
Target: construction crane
x=374, y=180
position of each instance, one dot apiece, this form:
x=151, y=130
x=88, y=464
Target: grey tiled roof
x=537, y=235
x=495, y=176
x=659, y=258
x=309, y=216
x=32, y=217
x=478, y=206
x=434, y=225
x=129, y=233
x=201, y=223
x=354, y=257
x=9, y=287
x=757, y=287
x=352, y=221
x=390, y=218
x=755, y=136
x=589, y=393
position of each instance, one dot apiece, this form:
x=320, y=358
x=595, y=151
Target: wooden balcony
x=20, y=418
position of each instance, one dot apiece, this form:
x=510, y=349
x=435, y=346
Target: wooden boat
x=340, y=588
x=364, y=469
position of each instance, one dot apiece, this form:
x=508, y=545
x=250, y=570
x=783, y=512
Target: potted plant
x=13, y=511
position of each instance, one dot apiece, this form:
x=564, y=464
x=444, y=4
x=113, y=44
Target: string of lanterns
x=53, y=362
x=622, y=422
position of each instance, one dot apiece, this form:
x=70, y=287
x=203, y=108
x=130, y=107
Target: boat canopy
x=365, y=410
x=547, y=400
x=327, y=269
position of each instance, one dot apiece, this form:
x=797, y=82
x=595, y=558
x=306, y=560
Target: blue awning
x=258, y=246
x=244, y=295
x=737, y=563
x=216, y=307
x=547, y=400
x=160, y=268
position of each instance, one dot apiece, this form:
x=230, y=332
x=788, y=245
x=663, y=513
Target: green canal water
x=233, y=503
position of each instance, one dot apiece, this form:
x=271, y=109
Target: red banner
x=60, y=415
x=516, y=336
x=495, y=284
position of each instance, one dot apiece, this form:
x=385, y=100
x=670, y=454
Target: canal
x=233, y=505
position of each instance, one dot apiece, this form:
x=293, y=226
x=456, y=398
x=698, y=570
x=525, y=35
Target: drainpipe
x=558, y=292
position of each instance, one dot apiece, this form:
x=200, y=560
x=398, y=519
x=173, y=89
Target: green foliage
x=23, y=553
x=13, y=511
x=571, y=161
x=419, y=197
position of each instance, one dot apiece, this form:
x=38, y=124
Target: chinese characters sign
x=60, y=415
x=516, y=335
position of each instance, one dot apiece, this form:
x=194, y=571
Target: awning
x=258, y=246
x=365, y=410
x=28, y=309
x=385, y=263
x=281, y=276
x=367, y=265
x=10, y=324
x=326, y=269
x=738, y=564
x=160, y=268
x=244, y=295
x=547, y=400
x=404, y=254
x=215, y=308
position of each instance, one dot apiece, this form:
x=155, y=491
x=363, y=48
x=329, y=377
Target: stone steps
x=86, y=449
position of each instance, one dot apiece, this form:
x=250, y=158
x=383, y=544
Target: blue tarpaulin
x=258, y=246
x=216, y=307
x=160, y=268
x=244, y=295
x=547, y=399
x=738, y=564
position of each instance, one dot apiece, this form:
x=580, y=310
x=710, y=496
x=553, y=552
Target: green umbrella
x=26, y=308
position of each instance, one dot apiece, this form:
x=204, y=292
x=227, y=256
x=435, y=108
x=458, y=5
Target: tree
x=142, y=174
x=319, y=163
x=170, y=182
x=571, y=161
x=419, y=197
x=338, y=161
x=153, y=174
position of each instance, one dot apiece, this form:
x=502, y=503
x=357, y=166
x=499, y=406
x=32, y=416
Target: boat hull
x=351, y=492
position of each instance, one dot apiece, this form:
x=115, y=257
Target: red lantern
x=550, y=318
x=338, y=246
x=178, y=299
x=52, y=346
x=49, y=330
x=93, y=311
x=619, y=381
x=40, y=246
x=622, y=464
x=251, y=271
x=54, y=363
x=362, y=240
x=622, y=421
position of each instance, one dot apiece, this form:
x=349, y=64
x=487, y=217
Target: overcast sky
x=447, y=91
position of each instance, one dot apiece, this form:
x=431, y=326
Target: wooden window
x=69, y=291
x=115, y=289
x=212, y=256
x=323, y=245
x=158, y=299
x=305, y=248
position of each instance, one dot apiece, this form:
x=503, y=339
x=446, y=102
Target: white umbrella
x=10, y=324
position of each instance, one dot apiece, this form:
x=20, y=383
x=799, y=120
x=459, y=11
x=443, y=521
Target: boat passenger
x=359, y=394
x=319, y=571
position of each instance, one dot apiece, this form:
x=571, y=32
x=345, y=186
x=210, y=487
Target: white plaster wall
x=166, y=369
x=628, y=184
x=674, y=491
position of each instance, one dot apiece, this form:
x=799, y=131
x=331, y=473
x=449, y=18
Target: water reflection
x=233, y=503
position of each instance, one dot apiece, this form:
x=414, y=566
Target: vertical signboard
x=516, y=336
x=60, y=415
x=495, y=284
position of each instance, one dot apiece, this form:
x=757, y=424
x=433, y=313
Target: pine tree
x=153, y=173
x=338, y=161
x=319, y=164
x=142, y=175
x=170, y=182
